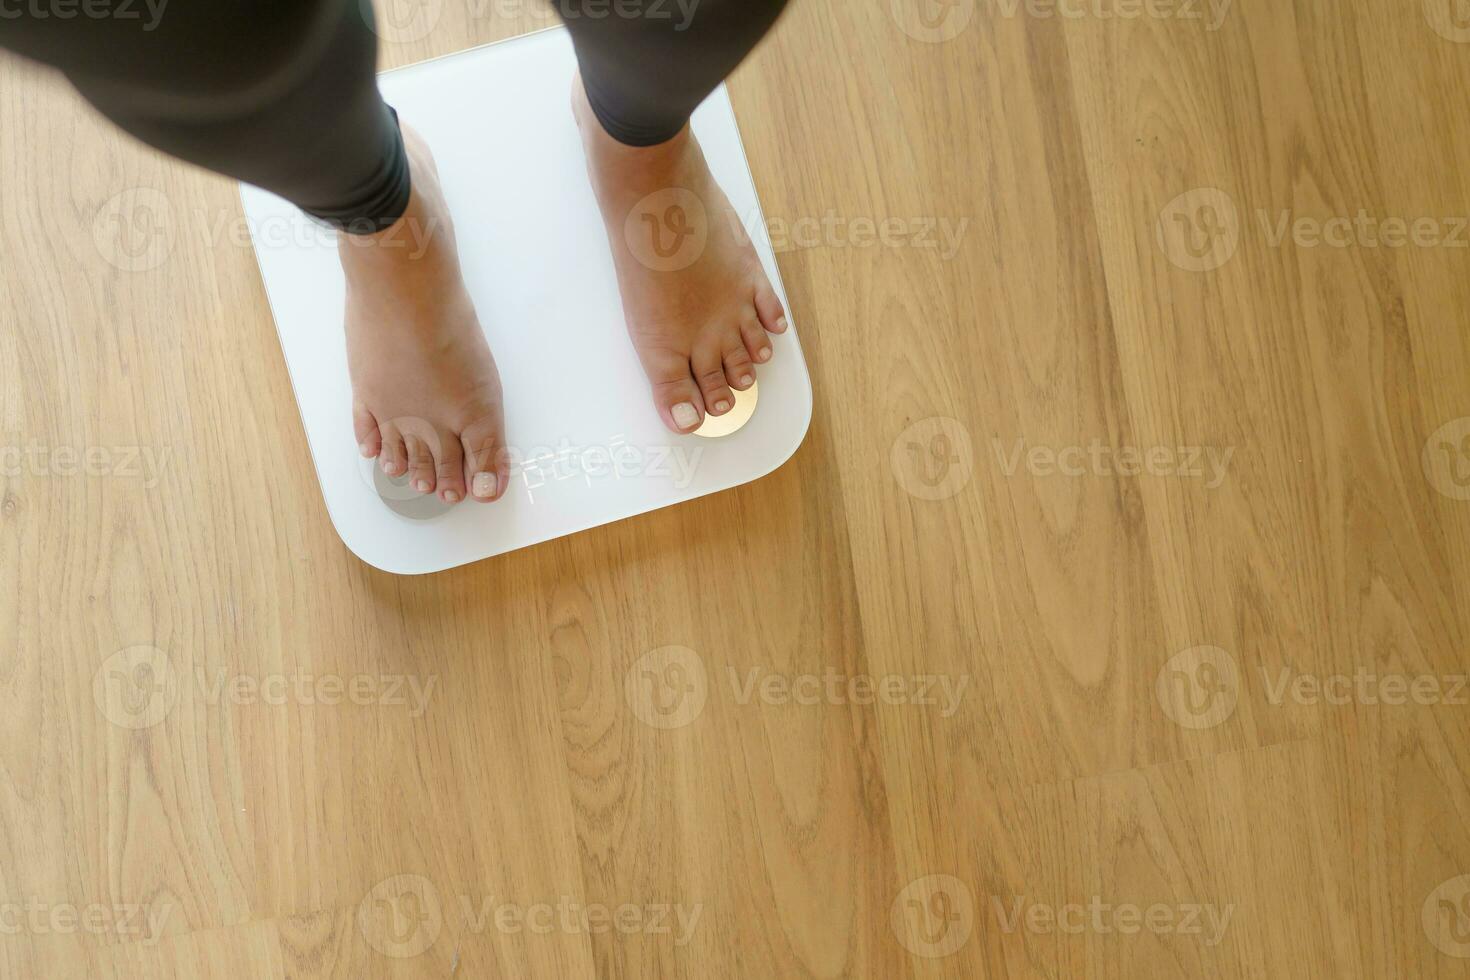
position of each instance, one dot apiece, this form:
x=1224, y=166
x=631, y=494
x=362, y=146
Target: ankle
x=612, y=152
x=622, y=173
x=413, y=237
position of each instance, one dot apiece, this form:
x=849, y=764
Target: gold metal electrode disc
x=716, y=426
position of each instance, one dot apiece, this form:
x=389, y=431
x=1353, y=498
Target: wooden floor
x=1111, y=621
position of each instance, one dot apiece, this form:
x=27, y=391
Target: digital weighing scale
x=588, y=445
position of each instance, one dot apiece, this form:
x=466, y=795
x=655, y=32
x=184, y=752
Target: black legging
x=282, y=93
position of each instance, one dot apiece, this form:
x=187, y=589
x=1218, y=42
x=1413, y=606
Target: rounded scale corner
x=785, y=455
x=361, y=553
x=378, y=567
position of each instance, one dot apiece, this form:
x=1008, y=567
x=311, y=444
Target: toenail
x=764, y=354
x=686, y=416
x=781, y=325
x=367, y=450
x=484, y=485
x=746, y=380
x=422, y=486
x=722, y=406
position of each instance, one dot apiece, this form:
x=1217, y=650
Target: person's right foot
x=426, y=393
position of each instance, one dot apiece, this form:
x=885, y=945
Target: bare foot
x=697, y=301
x=426, y=394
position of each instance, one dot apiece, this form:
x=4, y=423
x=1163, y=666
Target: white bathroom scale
x=588, y=446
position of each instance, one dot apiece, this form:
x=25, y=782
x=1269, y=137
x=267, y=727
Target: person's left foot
x=697, y=301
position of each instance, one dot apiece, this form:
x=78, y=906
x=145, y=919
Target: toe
x=393, y=456
x=768, y=307
x=739, y=371
x=486, y=465
x=675, y=394
x=449, y=469
x=757, y=344
x=365, y=427
x=421, y=473
x=709, y=371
